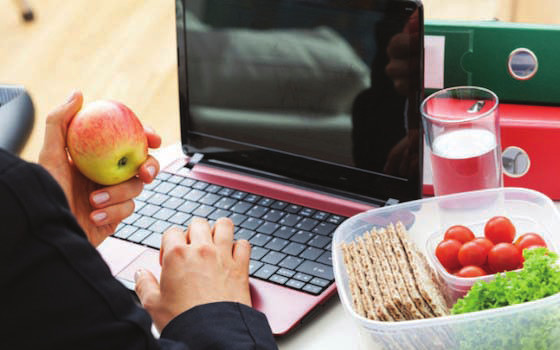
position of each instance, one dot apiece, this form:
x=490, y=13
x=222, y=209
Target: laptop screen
x=321, y=91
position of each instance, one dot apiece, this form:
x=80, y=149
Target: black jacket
x=56, y=292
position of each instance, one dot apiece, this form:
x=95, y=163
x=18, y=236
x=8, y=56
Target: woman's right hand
x=198, y=266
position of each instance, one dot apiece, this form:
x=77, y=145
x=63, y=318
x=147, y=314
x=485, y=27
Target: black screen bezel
x=375, y=186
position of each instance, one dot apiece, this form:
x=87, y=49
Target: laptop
x=295, y=114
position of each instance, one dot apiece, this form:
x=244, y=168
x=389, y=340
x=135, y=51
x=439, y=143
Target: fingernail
x=71, y=97
x=138, y=274
x=100, y=216
x=149, y=129
x=100, y=197
x=151, y=170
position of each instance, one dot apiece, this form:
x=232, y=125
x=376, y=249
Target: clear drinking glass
x=462, y=132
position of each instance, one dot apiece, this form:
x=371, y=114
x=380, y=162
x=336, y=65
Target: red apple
x=107, y=142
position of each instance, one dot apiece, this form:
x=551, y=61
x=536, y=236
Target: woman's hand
x=98, y=209
x=199, y=266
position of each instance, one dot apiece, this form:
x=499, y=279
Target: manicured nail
x=100, y=216
x=71, y=97
x=151, y=170
x=138, y=274
x=100, y=197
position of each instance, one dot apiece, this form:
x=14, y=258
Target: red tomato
x=471, y=271
x=446, y=252
x=504, y=257
x=461, y=233
x=499, y=229
x=528, y=240
x=485, y=242
x=472, y=254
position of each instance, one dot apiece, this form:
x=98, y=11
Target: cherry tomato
x=504, y=257
x=529, y=239
x=446, y=252
x=461, y=233
x=499, y=229
x=485, y=242
x=472, y=254
x=471, y=271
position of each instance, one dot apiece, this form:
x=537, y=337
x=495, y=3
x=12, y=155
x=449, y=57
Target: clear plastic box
x=532, y=325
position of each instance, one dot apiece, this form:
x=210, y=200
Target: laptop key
x=265, y=271
x=257, y=211
x=203, y=211
x=319, y=282
x=302, y=236
x=286, y=272
x=226, y=192
x=307, y=212
x=149, y=210
x=307, y=224
x=324, y=229
x=254, y=266
x=158, y=198
x=213, y=189
x=295, y=284
x=210, y=199
x=252, y=198
x=159, y=226
x=164, y=214
x=237, y=219
x=266, y=202
x=268, y=228
x=188, y=207
x=219, y=213
x=273, y=257
x=179, y=218
x=188, y=182
x=319, y=241
x=312, y=289
x=320, y=215
x=325, y=258
x=290, y=262
x=244, y=234
x=278, y=279
x=152, y=185
x=163, y=175
x=316, y=269
x=303, y=277
x=273, y=215
x=194, y=195
x=311, y=253
x=335, y=219
x=139, y=235
x=241, y=207
x=153, y=240
x=278, y=205
x=173, y=203
x=290, y=220
x=138, y=204
x=294, y=248
x=285, y=232
x=144, y=222
x=125, y=231
x=258, y=252
x=276, y=244
x=175, y=179
x=225, y=203
x=131, y=218
x=252, y=223
x=200, y=185
x=145, y=195
x=260, y=239
x=164, y=187
x=293, y=208
x=239, y=195
x=179, y=191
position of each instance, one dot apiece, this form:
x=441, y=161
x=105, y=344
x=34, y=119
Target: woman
x=57, y=292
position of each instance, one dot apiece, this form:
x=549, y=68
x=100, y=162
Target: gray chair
x=16, y=117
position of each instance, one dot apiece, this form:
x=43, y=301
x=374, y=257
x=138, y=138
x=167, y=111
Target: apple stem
x=122, y=161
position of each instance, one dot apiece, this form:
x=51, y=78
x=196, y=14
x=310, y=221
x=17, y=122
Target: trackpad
x=148, y=260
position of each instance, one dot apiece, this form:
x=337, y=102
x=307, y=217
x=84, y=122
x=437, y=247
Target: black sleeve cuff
x=222, y=325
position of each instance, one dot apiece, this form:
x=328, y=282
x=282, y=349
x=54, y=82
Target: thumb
x=57, y=124
x=147, y=289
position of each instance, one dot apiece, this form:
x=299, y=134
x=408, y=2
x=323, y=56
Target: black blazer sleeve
x=58, y=293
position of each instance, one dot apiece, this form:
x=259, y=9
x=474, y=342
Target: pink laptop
x=295, y=114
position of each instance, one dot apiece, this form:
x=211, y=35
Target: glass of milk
x=461, y=127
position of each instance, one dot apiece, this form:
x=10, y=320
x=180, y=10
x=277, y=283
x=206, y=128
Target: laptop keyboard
x=291, y=244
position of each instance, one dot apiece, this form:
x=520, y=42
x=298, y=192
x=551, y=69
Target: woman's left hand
x=98, y=209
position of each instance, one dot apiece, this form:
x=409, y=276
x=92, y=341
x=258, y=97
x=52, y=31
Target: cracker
x=352, y=281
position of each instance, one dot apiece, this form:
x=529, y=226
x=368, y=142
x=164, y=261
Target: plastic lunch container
x=532, y=325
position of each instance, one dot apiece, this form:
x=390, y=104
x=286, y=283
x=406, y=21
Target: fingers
x=154, y=140
x=147, y=288
x=113, y=214
x=111, y=195
x=223, y=236
x=199, y=232
x=242, y=254
x=57, y=125
x=172, y=239
x=148, y=170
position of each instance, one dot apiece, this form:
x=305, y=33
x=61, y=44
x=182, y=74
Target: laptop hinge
x=391, y=201
x=194, y=160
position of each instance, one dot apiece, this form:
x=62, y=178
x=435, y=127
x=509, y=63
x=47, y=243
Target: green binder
x=478, y=53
